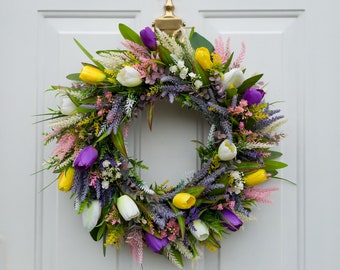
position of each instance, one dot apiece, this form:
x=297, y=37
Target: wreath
x=91, y=124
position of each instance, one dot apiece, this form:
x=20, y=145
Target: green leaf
x=99, y=65
x=271, y=165
x=227, y=64
x=118, y=141
x=194, y=191
x=249, y=83
x=198, y=41
x=73, y=77
x=164, y=54
x=274, y=155
x=180, y=219
x=151, y=110
x=212, y=241
x=175, y=257
x=244, y=166
x=98, y=232
x=129, y=34
x=224, y=179
x=199, y=70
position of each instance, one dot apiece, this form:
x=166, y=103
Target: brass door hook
x=169, y=23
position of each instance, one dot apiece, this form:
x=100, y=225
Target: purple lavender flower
x=149, y=38
x=155, y=243
x=253, y=95
x=233, y=222
x=85, y=158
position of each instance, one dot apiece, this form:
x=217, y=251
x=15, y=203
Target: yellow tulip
x=184, y=200
x=91, y=75
x=65, y=180
x=202, y=56
x=255, y=178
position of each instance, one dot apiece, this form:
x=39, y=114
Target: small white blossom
x=198, y=84
x=192, y=75
x=173, y=69
x=180, y=64
x=105, y=184
x=106, y=163
x=183, y=73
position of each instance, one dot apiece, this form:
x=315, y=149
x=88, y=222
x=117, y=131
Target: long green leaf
x=151, y=110
x=180, y=219
x=73, y=77
x=198, y=41
x=99, y=65
x=249, y=83
x=118, y=141
x=129, y=34
x=194, y=191
x=271, y=165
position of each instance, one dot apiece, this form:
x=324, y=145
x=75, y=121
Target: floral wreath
x=91, y=124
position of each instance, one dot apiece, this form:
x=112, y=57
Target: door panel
x=297, y=52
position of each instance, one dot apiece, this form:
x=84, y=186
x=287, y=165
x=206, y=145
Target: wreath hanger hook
x=169, y=23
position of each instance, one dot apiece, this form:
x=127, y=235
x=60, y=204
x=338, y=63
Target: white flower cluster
x=110, y=172
x=111, y=60
x=182, y=71
x=238, y=182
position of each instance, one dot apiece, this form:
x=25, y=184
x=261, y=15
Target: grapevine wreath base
x=91, y=125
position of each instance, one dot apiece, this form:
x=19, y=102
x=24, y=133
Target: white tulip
x=234, y=77
x=227, y=150
x=200, y=230
x=91, y=215
x=129, y=77
x=127, y=207
x=67, y=107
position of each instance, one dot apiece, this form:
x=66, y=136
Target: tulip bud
x=85, y=158
x=233, y=222
x=233, y=77
x=149, y=38
x=184, y=200
x=65, y=180
x=227, y=150
x=67, y=107
x=91, y=75
x=253, y=96
x=91, y=214
x=156, y=244
x=199, y=230
x=202, y=56
x=127, y=207
x=255, y=178
x=129, y=77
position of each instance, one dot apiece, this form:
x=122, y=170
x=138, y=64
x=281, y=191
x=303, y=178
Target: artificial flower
x=156, y=244
x=129, y=77
x=184, y=200
x=227, y=150
x=127, y=207
x=67, y=107
x=91, y=215
x=255, y=178
x=199, y=230
x=149, y=38
x=234, y=77
x=65, y=180
x=85, y=158
x=233, y=222
x=202, y=55
x=91, y=75
x=253, y=95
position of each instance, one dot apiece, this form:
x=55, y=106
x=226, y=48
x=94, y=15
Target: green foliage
x=129, y=34
x=198, y=41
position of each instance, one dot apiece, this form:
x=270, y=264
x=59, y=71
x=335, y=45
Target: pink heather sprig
x=149, y=69
x=240, y=57
x=259, y=194
x=138, y=50
x=135, y=241
x=220, y=49
x=52, y=134
x=65, y=143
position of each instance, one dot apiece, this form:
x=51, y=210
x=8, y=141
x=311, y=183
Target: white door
x=294, y=43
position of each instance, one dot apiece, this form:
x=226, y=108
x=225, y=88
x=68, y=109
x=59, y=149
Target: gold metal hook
x=169, y=23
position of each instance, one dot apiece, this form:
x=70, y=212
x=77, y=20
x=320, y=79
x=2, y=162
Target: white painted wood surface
x=287, y=40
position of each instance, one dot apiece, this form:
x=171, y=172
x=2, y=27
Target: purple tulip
x=233, y=222
x=85, y=158
x=253, y=96
x=155, y=243
x=149, y=38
